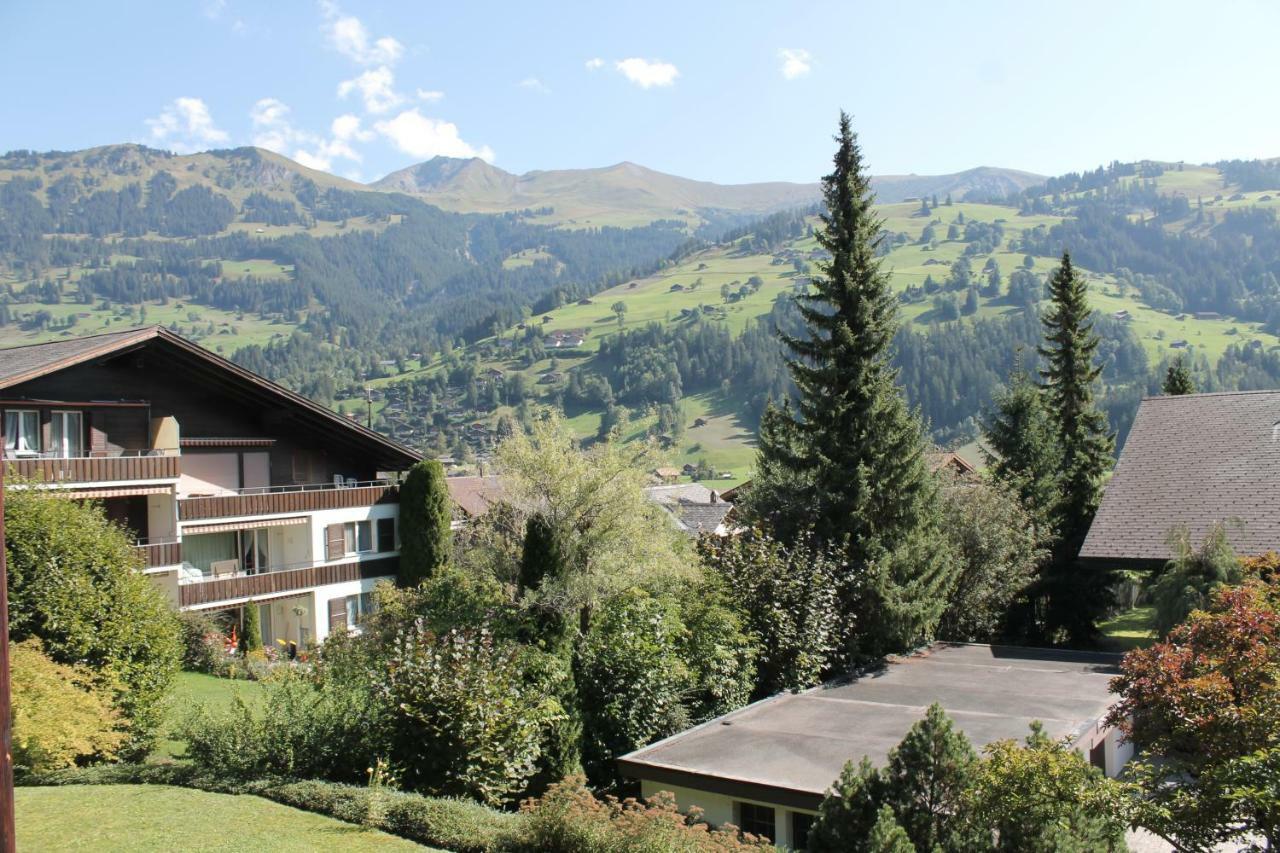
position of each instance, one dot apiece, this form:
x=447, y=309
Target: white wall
x=322, y=519
x=718, y=809
x=162, y=516
x=324, y=594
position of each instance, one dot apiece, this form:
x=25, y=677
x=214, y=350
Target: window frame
x=58, y=420
x=753, y=813
x=15, y=451
x=351, y=537
x=378, y=538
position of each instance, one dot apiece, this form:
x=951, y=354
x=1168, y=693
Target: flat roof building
x=773, y=761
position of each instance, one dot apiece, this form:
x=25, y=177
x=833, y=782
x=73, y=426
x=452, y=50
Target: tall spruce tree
x=426, y=535
x=1075, y=596
x=847, y=462
x=1177, y=379
x=1021, y=445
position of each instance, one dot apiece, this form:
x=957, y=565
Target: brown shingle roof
x=474, y=495
x=18, y=364
x=1193, y=460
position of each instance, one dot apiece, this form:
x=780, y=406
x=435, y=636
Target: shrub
x=74, y=584
x=203, y=642
x=426, y=536
x=251, y=637
x=61, y=714
x=1186, y=581
x=467, y=721
x=570, y=819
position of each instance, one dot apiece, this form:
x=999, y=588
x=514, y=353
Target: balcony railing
x=285, y=580
x=121, y=467
x=278, y=500
x=159, y=552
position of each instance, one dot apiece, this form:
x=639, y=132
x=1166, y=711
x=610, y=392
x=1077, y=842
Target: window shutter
x=337, y=614
x=335, y=542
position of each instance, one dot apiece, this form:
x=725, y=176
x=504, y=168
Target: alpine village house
x=240, y=493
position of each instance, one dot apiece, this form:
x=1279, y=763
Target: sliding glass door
x=67, y=434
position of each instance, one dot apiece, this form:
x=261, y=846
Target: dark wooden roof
x=24, y=363
x=1193, y=460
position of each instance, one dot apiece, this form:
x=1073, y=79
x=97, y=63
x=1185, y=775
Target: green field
x=1132, y=629
x=160, y=818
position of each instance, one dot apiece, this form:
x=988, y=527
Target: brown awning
x=230, y=527
x=113, y=492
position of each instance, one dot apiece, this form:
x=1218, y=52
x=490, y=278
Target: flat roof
x=790, y=748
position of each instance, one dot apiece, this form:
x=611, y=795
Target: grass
x=190, y=690
x=158, y=817
x=1132, y=629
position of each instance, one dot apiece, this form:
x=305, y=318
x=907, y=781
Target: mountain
x=626, y=191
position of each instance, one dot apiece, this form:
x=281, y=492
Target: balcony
x=159, y=552
x=279, y=500
x=204, y=590
x=127, y=466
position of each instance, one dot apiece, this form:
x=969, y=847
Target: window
x=386, y=534
x=358, y=536
x=21, y=432
x=800, y=825
x=758, y=820
x=67, y=434
x=349, y=611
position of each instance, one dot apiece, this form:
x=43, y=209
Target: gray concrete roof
x=1193, y=460
x=799, y=743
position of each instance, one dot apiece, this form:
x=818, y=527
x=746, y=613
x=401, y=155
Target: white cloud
x=430, y=95
x=647, y=73
x=348, y=35
x=533, y=84
x=274, y=130
x=376, y=87
x=423, y=137
x=795, y=62
x=213, y=9
x=594, y=64
x=186, y=125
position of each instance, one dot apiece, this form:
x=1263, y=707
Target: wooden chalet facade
x=238, y=491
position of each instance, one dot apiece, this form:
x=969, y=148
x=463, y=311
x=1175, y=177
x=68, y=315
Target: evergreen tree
x=848, y=461
x=251, y=629
x=1075, y=596
x=850, y=811
x=426, y=537
x=1177, y=380
x=887, y=835
x=926, y=780
x=1021, y=445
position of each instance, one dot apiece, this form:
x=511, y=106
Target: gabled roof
x=474, y=495
x=701, y=517
x=1193, y=460
x=32, y=361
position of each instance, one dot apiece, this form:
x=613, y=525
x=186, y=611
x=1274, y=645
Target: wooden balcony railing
x=156, y=554
x=287, y=500
x=96, y=469
x=277, y=582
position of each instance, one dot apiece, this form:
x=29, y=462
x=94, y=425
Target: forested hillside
x=460, y=324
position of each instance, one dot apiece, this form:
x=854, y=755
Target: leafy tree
x=74, y=584
x=1177, y=379
x=1186, y=582
x=788, y=595
x=1202, y=706
x=468, y=720
x=1043, y=796
x=848, y=463
x=619, y=309
x=62, y=715
x=1001, y=548
x=1075, y=597
x=426, y=516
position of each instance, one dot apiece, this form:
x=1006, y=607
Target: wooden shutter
x=337, y=614
x=97, y=434
x=335, y=544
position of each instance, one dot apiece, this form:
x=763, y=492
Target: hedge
x=459, y=825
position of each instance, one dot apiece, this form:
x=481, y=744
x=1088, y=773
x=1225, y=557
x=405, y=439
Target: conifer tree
x=847, y=462
x=887, y=835
x=1177, y=379
x=1075, y=596
x=1021, y=445
x=426, y=535
x=251, y=630
x=926, y=779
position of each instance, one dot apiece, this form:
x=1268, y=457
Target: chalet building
x=238, y=491
x=1193, y=461
x=767, y=767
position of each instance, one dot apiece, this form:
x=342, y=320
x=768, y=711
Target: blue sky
x=724, y=91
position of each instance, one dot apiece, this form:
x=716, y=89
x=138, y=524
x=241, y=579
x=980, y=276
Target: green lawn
x=1132, y=629
x=158, y=817
x=190, y=690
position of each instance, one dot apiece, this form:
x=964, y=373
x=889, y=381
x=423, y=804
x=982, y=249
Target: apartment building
x=239, y=492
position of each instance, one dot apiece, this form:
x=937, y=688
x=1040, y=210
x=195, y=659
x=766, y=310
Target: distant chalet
x=1193, y=460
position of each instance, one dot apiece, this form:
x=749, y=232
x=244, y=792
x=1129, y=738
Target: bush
x=1186, y=582
x=251, y=637
x=203, y=642
x=570, y=819
x=74, y=584
x=61, y=715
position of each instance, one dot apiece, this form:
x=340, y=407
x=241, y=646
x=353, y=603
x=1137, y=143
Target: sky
x=724, y=91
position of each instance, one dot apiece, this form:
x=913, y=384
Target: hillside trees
x=847, y=463
x=1177, y=379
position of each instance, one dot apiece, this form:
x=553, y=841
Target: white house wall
x=718, y=809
